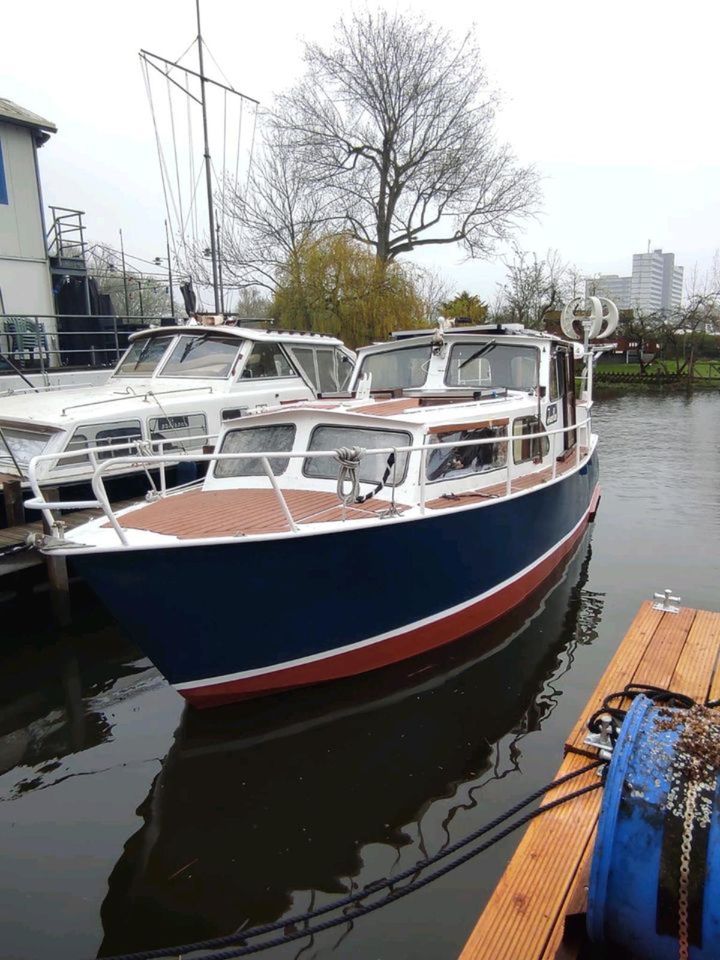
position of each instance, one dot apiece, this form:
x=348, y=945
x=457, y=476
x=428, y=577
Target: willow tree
x=335, y=285
x=393, y=126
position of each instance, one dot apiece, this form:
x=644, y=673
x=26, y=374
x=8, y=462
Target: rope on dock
x=238, y=941
x=14, y=548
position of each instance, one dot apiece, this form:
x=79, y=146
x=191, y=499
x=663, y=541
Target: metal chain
x=684, y=883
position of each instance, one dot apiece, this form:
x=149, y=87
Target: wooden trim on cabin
x=476, y=425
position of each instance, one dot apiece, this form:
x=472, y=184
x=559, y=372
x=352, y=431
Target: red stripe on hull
x=401, y=647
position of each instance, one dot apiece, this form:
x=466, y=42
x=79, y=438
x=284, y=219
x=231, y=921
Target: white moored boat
x=172, y=391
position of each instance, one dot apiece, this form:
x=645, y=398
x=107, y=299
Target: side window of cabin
x=332, y=369
x=305, y=358
x=102, y=435
x=3, y=182
x=560, y=372
x=554, y=383
x=191, y=428
x=526, y=447
x=453, y=463
x=266, y=361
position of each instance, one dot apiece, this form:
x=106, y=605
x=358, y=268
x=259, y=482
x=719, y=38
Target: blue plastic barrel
x=647, y=836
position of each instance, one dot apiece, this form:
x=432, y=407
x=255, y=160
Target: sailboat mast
x=208, y=177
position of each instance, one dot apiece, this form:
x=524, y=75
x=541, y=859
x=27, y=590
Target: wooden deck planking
x=545, y=883
x=244, y=511
x=519, y=919
x=697, y=663
x=619, y=672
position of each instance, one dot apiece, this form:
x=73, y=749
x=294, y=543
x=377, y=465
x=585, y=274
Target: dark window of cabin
x=526, y=447
x=554, y=383
x=3, y=182
x=266, y=361
x=453, y=463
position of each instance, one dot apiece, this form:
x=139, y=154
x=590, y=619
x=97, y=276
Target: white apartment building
x=655, y=284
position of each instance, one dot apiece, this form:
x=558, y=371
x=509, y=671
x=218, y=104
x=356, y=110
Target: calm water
x=127, y=822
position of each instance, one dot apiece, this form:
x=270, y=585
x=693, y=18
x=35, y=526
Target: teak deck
x=537, y=909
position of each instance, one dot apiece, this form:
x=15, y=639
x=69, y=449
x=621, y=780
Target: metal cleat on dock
x=604, y=737
x=668, y=602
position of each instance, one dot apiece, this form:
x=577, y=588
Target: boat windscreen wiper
x=191, y=344
x=485, y=348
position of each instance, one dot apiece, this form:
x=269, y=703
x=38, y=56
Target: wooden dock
x=537, y=911
x=16, y=536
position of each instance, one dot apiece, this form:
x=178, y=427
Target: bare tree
x=393, y=127
x=146, y=295
x=534, y=285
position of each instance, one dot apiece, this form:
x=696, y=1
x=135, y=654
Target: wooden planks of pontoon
x=537, y=909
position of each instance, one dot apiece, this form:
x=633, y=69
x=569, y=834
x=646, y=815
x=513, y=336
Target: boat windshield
x=398, y=368
x=202, y=355
x=143, y=357
x=372, y=466
x=276, y=437
x=492, y=364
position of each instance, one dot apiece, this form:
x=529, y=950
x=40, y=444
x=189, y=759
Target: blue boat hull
x=229, y=620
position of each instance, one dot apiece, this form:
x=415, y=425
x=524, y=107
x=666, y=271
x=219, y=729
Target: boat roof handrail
x=130, y=396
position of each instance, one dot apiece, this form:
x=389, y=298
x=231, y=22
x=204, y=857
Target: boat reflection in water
x=55, y=692
x=263, y=799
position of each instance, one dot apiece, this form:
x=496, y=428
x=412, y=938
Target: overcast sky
x=616, y=104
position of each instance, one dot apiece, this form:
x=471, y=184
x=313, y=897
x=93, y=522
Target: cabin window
x=3, y=182
x=491, y=364
x=398, y=368
x=554, y=381
x=558, y=366
x=372, y=466
x=327, y=368
x=454, y=463
x=143, y=357
x=179, y=428
x=273, y=438
x=204, y=356
x=526, y=448
x=22, y=445
x=266, y=361
x=102, y=435
x=305, y=358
